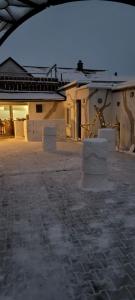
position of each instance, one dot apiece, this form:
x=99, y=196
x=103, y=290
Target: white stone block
x=110, y=135
x=96, y=183
x=94, y=165
x=49, y=139
x=94, y=156
x=132, y=149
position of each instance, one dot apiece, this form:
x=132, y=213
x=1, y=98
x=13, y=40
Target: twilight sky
x=102, y=34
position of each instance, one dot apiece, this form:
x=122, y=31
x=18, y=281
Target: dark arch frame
x=40, y=7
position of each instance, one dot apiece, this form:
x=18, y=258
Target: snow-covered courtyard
x=58, y=242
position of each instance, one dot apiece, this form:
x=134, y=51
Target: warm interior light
x=19, y=112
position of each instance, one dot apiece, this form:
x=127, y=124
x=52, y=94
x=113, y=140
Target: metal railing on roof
x=28, y=77
x=22, y=84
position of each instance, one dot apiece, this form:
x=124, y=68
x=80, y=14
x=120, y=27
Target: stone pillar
x=110, y=135
x=19, y=129
x=49, y=139
x=94, y=165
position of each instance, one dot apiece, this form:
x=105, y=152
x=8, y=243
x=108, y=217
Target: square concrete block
x=95, y=156
x=50, y=131
x=49, y=143
x=110, y=135
x=94, y=165
x=49, y=139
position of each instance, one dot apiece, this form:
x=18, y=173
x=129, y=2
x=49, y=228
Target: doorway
x=6, y=121
x=9, y=114
x=78, y=118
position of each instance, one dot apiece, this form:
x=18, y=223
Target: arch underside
x=14, y=12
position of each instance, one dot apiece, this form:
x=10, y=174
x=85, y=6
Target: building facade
x=95, y=105
x=77, y=101
x=28, y=98
x=87, y=108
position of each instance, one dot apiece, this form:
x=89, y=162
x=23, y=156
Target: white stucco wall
x=124, y=112
x=70, y=94
x=33, y=129
x=51, y=110
x=87, y=109
x=19, y=129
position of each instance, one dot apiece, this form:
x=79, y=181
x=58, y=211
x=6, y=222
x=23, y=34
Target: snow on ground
x=56, y=241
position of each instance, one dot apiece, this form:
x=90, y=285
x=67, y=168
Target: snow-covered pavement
x=56, y=241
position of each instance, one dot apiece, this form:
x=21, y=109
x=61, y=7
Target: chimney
x=80, y=66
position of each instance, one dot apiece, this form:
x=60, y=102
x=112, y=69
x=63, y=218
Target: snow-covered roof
x=99, y=79
x=98, y=85
x=67, y=76
x=70, y=75
x=31, y=96
x=37, y=71
x=125, y=85
x=63, y=74
x=68, y=85
x=107, y=76
x=103, y=80
x=110, y=85
x=99, y=82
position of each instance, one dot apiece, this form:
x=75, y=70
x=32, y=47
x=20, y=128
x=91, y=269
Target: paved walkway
x=56, y=241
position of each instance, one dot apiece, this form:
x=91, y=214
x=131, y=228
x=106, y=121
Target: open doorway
x=78, y=118
x=9, y=114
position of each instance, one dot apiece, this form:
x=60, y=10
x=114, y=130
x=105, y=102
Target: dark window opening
x=39, y=108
